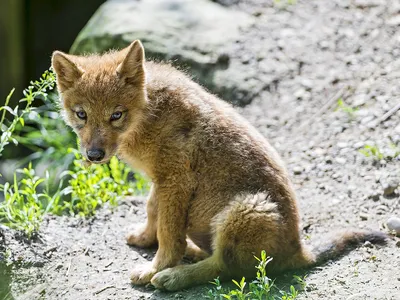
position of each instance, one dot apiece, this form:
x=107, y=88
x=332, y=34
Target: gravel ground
x=305, y=57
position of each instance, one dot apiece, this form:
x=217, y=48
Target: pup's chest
x=137, y=158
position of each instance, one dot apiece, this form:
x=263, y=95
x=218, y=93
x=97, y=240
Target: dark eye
x=115, y=116
x=81, y=115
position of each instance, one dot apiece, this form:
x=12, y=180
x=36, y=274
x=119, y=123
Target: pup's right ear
x=67, y=71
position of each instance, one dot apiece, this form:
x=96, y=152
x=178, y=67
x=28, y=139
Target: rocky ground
x=301, y=58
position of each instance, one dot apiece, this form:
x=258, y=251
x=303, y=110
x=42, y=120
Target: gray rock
x=394, y=21
x=368, y=244
x=389, y=187
x=393, y=224
x=297, y=170
x=227, y=2
x=194, y=33
x=364, y=216
x=341, y=160
x=374, y=196
x=381, y=209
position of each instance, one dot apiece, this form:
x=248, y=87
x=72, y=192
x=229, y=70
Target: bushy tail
x=344, y=242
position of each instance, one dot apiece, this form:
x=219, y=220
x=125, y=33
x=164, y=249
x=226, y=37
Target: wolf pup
x=220, y=192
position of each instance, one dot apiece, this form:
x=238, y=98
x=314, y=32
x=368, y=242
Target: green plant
x=24, y=206
x=262, y=288
x=93, y=186
x=377, y=154
x=29, y=197
x=350, y=111
x=288, y=2
x=37, y=89
x=372, y=151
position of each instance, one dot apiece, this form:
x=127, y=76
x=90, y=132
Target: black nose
x=95, y=154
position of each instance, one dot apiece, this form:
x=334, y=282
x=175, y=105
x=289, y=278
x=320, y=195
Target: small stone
x=340, y=160
x=342, y=145
x=374, y=196
x=145, y=255
x=389, y=188
x=398, y=244
x=328, y=160
x=397, y=129
x=38, y=264
x=300, y=93
x=364, y=216
x=311, y=287
x=393, y=224
x=381, y=210
x=394, y=21
x=368, y=244
x=297, y=170
x=358, y=145
x=307, y=84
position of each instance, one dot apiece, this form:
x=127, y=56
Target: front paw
x=171, y=279
x=141, y=238
x=142, y=274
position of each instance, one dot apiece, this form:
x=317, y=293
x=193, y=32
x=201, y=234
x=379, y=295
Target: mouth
x=100, y=162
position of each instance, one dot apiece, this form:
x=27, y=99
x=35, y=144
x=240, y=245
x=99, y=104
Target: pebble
x=358, y=145
x=393, y=224
x=389, y=188
x=364, y=216
x=297, y=170
x=368, y=244
x=374, y=196
x=340, y=160
x=382, y=208
x=145, y=255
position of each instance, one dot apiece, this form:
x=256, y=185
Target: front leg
x=146, y=236
x=172, y=213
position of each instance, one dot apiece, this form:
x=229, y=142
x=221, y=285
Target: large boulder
x=195, y=34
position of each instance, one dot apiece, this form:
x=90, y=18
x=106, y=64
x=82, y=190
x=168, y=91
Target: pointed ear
x=132, y=67
x=66, y=70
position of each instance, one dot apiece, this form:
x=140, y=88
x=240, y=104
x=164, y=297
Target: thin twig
x=325, y=107
x=104, y=288
x=86, y=250
x=52, y=249
x=69, y=266
x=389, y=113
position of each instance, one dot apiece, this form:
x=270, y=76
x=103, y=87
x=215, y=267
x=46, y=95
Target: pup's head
x=102, y=97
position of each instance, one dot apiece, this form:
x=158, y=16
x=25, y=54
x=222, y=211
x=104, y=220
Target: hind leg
x=249, y=225
x=193, y=252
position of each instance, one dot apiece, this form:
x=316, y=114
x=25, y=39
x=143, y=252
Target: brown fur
x=216, y=180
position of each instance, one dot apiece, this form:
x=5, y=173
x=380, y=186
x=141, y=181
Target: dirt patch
x=305, y=57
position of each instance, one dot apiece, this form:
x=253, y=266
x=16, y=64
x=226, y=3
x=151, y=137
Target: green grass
x=350, y=111
x=37, y=90
x=27, y=198
x=373, y=151
x=95, y=185
x=262, y=288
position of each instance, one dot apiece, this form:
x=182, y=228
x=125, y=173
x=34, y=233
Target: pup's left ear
x=66, y=70
x=132, y=67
